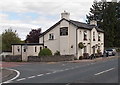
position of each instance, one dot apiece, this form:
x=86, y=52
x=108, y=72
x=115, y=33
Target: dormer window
x=93, y=36
x=99, y=36
x=51, y=36
x=64, y=31
x=85, y=35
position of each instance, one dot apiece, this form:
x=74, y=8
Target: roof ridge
x=78, y=21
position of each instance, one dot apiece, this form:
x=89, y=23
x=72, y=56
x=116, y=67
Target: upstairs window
x=98, y=36
x=51, y=36
x=85, y=35
x=64, y=31
x=93, y=36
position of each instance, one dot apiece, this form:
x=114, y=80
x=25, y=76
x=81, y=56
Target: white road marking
x=66, y=69
x=61, y=70
x=72, y=68
x=104, y=71
x=48, y=73
x=76, y=66
x=40, y=75
x=18, y=74
x=31, y=77
x=21, y=79
x=54, y=71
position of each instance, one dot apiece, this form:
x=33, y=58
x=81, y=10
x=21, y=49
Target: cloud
x=39, y=13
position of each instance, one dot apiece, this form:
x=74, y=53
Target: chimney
x=93, y=22
x=65, y=15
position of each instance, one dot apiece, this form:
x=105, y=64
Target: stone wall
x=50, y=58
x=12, y=58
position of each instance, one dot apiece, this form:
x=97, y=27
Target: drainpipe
x=43, y=41
x=21, y=50
x=13, y=49
x=76, y=42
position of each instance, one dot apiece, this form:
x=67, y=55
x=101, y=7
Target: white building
x=26, y=49
x=64, y=36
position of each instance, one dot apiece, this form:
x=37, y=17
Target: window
x=18, y=49
x=51, y=36
x=24, y=50
x=25, y=47
x=40, y=48
x=93, y=36
x=35, y=49
x=45, y=46
x=98, y=47
x=98, y=36
x=63, y=31
x=85, y=35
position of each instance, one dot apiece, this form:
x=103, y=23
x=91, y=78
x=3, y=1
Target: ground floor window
x=40, y=48
x=24, y=50
x=35, y=49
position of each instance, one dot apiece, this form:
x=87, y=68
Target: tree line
x=107, y=15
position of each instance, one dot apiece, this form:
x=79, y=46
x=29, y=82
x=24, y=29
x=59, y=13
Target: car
x=110, y=52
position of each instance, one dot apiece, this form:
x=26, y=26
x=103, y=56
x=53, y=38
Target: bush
x=86, y=55
x=45, y=52
x=81, y=57
x=81, y=45
x=98, y=54
x=75, y=58
x=57, y=53
x=118, y=49
x=92, y=56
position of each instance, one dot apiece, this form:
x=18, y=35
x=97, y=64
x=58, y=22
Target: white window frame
x=51, y=36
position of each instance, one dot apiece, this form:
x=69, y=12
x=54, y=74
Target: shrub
x=118, y=49
x=98, y=51
x=57, y=53
x=86, y=55
x=45, y=52
x=75, y=58
x=81, y=45
x=81, y=57
x=92, y=56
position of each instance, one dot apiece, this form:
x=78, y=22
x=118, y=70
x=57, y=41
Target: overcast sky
x=24, y=15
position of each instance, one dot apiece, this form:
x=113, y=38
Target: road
x=103, y=71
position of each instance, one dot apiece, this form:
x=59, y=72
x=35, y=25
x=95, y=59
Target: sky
x=24, y=15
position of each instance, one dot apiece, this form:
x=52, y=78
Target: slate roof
x=76, y=23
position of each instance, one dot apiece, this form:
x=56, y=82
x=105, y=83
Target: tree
x=96, y=12
x=106, y=14
x=33, y=36
x=9, y=37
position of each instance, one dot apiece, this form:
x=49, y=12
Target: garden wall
x=50, y=58
x=12, y=58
